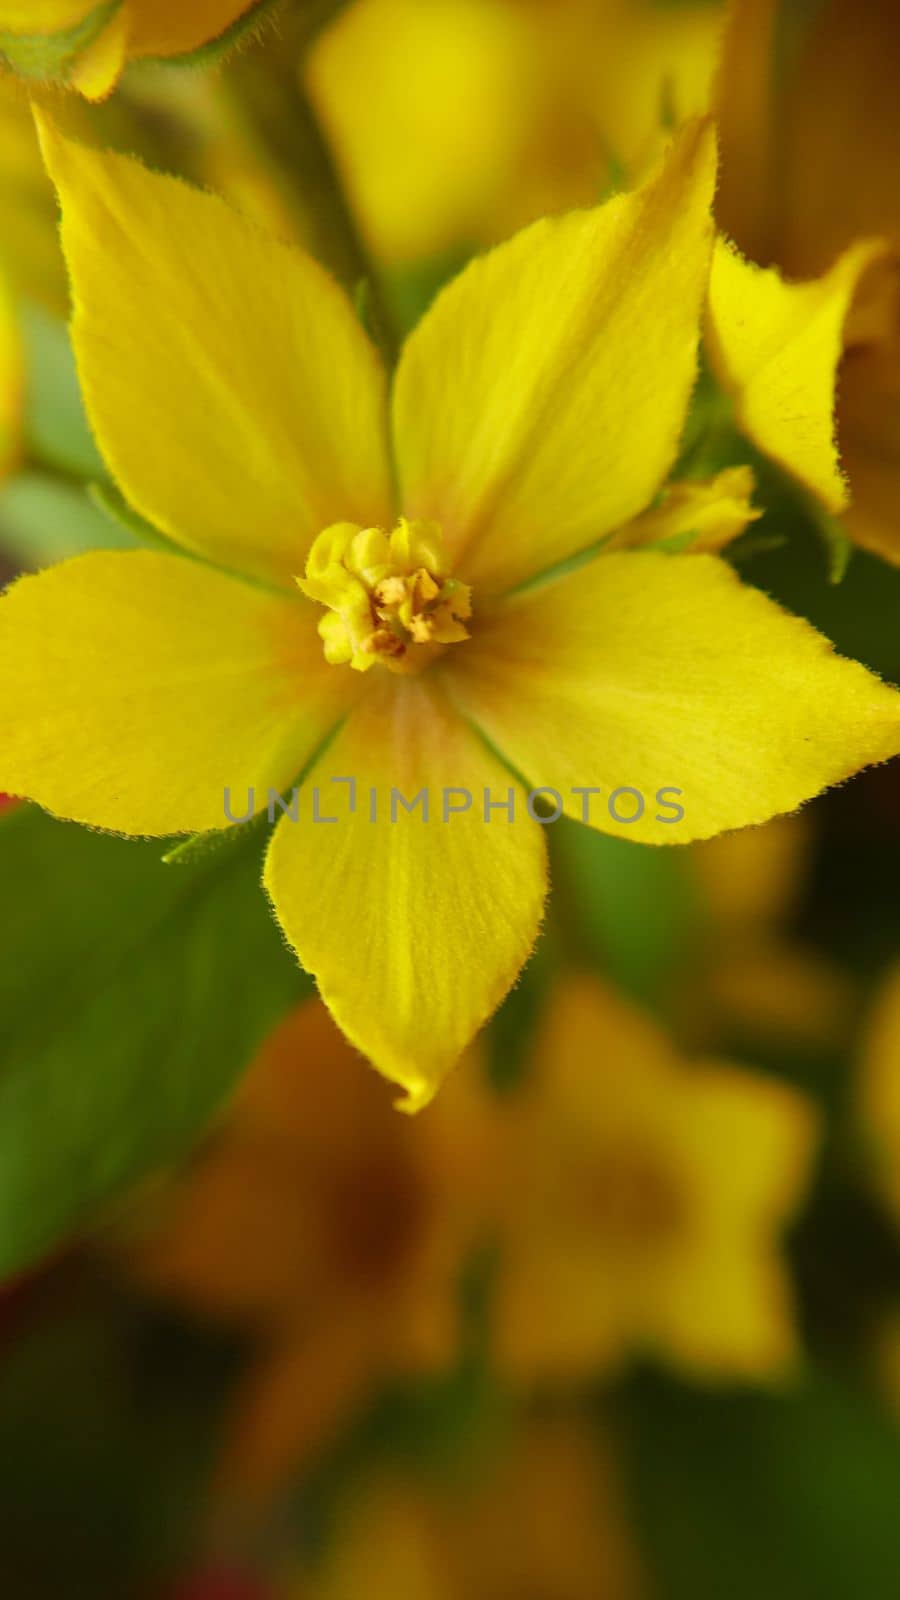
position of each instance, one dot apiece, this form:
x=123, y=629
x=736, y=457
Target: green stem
x=264, y=87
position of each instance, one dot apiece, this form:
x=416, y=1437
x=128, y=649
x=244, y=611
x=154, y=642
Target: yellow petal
x=95, y=71
x=176, y=27
x=43, y=16
x=748, y=1142
x=665, y=672
x=414, y=929
x=137, y=686
x=539, y=403
x=776, y=347
x=424, y=152
x=705, y=516
x=231, y=389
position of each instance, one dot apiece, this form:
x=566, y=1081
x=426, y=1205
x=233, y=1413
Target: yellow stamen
x=389, y=597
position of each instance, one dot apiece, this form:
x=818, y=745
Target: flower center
x=388, y=595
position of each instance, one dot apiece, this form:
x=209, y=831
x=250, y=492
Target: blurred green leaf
x=45, y=519
x=509, y=1036
x=131, y=996
x=56, y=428
x=632, y=909
x=743, y=1494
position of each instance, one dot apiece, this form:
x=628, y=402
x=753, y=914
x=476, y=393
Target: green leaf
x=131, y=996
x=632, y=909
x=45, y=519
x=743, y=1494
x=56, y=427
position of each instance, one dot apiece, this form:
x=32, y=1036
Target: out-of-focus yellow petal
x=539, y=403
x=750, y=1143
x=138, y=686
x=95, y=71
x=749, y=187
x=43, y=16
x=869, y=424
x=752, y=880
x=702, y=516
x=665, y=672
x=176, y=27
x=11, y=381
x=775, y=991
x=29, y=247
x=837, y=119
x=424, y=150
x=414, y=928
x=776, y=348
x=232, y=391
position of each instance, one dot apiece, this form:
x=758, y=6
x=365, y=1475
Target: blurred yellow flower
x=752, y=975
x=87, y=44
x=642, y=1199
x=547, y=1520
x=457, y=121
x=536, y=409
x=333, y=1229
x=810, y=123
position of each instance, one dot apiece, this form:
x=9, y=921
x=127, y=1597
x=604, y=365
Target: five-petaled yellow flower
x=641, y=1202
x=87, y=44
x=428, y=536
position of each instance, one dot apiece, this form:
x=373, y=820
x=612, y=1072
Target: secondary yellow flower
x=642, y=1200
x=536, y=409
x=458, y=121
x=333, y=1230
x=811, y=142
x=87, y=44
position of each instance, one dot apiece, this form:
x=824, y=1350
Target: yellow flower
x=547, y=1520
x=641, y=1203
x=811, y=141
x=87, y=43
x=334, y=1230
x=536, y=409
x=457, y=121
